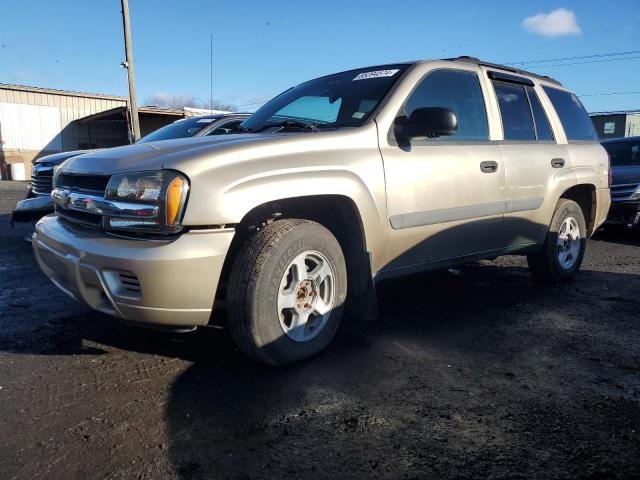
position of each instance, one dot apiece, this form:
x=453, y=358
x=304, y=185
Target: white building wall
x=30, y=127
x=632, y=127
x=36, y=122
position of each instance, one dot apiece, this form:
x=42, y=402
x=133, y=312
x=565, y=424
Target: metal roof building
x=616, y=124
x=39, y=121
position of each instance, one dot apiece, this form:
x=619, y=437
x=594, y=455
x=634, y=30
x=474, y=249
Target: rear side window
x=575, y=121
x=517, y=122
x=458, y=91
x=623, y=154
x=543, y=129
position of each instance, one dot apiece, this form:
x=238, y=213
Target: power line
x=557, y=65
x=608, y=93
x=581, y=57
x=584, y=63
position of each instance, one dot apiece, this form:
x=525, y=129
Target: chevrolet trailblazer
x=336, y=184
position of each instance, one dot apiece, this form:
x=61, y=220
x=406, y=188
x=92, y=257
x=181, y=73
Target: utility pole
x=211, y=77
x=128, y=64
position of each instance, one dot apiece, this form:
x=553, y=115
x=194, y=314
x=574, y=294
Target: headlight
x=636, y=195
x=166, y=190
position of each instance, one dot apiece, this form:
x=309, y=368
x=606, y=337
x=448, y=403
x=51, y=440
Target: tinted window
x=543, y=129
x=459, y=91
x=232, y=126
x=344, y=99
x=178, y=129
x=517, y=122
x=575, y=121
x=623, y=153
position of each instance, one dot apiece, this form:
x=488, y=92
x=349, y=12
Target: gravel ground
x=469, y=373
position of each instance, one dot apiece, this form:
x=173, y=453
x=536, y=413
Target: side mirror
x=427, y=122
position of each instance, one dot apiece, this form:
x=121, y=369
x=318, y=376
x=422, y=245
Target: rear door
x=532, y=156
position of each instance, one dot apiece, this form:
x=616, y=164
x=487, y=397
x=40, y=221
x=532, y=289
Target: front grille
x=623, y=192
x=83, y=218
x=95, y=184
x=89, y=184
x=41, y=181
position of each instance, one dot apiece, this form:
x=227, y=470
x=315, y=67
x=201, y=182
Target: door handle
x=489, y=167
x=557, y=162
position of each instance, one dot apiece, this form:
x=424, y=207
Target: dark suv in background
x=624, y=155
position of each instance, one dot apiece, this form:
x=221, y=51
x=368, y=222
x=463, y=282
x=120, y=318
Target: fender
x=343, y=163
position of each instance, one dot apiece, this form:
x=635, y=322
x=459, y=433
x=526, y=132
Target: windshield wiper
x=288, y=124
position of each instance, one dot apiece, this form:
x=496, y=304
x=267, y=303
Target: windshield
x=625, y=153
x=344, y=99
x=178, y=129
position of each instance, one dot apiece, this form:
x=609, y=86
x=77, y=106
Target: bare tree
x=163, y=100
x=218, y=105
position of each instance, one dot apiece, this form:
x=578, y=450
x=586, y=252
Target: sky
x=263, y=47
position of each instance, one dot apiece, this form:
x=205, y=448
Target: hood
x=176, y=154
x=58, y=158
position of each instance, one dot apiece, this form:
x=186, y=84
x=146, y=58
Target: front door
x=445, y=195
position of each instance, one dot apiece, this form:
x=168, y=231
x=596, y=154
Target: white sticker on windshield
x=376, y=74
x=205, y=120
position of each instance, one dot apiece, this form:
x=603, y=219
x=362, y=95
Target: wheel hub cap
x=569, y=243
x=306, y=296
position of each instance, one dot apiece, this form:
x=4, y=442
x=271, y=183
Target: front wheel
x=563, y=250
x=286, y=292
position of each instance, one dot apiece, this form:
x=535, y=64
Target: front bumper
x=624, y=213
x=162, y=282
x=32, y=208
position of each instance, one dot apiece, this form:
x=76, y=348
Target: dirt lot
x=469, y=373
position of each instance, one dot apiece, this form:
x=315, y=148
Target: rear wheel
x=563, y=250
x=286, y=292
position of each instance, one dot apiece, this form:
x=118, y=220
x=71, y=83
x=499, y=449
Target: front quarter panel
x=345, y=163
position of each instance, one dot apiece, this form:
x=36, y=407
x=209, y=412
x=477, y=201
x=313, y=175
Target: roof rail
x=477, y=61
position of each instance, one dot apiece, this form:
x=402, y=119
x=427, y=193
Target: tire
x=264, y=276
x=557, y=263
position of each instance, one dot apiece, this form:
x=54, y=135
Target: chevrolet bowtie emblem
x=60, y=197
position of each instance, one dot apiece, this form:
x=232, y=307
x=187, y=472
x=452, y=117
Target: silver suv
x=337, y=183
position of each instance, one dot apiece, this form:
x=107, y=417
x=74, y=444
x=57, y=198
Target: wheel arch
x=584, y=194
x=338, y=213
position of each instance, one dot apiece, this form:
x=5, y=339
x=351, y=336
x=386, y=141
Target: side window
x=575, y=121
x=226, y=128
x=517, y=122
x=459, y=91
x=543, y=129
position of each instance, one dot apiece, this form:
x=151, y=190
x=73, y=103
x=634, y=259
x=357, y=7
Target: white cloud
x=553, y=24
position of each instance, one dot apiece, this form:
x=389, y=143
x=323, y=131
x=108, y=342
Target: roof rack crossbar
x=477, y=61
